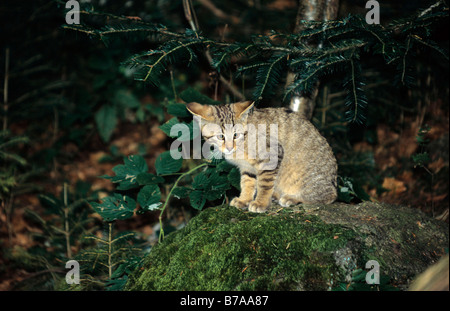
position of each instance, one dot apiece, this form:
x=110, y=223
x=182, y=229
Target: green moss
x=227, y=249
x=310, y=247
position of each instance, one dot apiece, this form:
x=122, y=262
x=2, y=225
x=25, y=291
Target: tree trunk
x=310, y=10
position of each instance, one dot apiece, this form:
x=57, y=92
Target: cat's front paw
x=287, y=201
x=236, y=202
x=257, y=207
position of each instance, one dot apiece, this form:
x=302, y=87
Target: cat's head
x=223, y=125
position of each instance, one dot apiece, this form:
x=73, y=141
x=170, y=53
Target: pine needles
x=329, y=48
x=152, y=64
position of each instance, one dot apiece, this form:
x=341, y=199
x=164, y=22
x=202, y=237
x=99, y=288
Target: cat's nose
x=229, y=147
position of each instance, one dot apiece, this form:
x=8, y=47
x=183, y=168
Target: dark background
x=59, y=79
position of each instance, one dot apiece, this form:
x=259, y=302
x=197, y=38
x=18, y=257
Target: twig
x=404, y=60
x=218, y=12
x=173, y=85
x=189, y=13
x=50, y=270
x=66, y=223
x=192, y=20
x=5, y=90
x=424, y=12
x=161, y=231
x=109, y=250
x=233, y=89
x=8, y=213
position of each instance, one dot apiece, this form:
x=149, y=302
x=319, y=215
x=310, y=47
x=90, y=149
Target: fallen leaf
x=282, y=4
x=436, y=166
x=394, y=185
x=135, y=18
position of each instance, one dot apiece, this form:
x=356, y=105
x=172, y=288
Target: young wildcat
x=305, y=169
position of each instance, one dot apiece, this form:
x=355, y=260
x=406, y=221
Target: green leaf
x=358, y=275
x=148, y=179
x=348, y=189
x=214, y=194
x=165, y=164
x=210, y=180
x=106, y=120
x=156, y=111
x=166, y=127
x=136, y=163
x=224, y=166
x=178, y=110
x=201, y=181
x=181, y=192
x=197, y=199
x=115, y=207
x=126, y=99
x=140, y=114
x=127, y=173
x=421, y=159
x=234, y=177
x=149, y=197
x=218, y=182
x=192, y=127
x=194, y=131
x=191, y=95
x=361, y=193
x=211, y=184
x=345, y=193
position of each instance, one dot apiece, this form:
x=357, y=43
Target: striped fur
x=305, y=171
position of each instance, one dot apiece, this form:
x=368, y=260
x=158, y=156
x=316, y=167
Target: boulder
x=307, y=247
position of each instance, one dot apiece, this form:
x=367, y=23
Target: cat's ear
x=241, y=108
x=203, y=111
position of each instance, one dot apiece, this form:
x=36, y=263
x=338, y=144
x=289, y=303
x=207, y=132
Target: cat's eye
x=237, y=135
x=220, y=137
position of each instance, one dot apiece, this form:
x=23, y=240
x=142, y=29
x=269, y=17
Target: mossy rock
x=309, y=247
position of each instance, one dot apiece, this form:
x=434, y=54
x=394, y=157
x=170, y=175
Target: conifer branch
x=268, y=76
x=270, y=55
x=305, y=81
x=404, y=60
x=432, y=45
x=165, y=55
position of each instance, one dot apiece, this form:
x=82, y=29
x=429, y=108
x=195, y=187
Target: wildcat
x=305, y=169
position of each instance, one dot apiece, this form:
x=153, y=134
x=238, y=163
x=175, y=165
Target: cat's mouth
x=227, y=152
